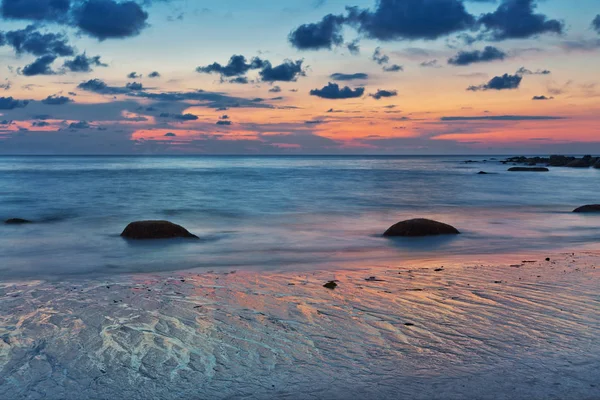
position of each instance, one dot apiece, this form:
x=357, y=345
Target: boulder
x=155, y=230
x=421, y=227
x=581, y=163
x=528, y=169
x=590, y=208
x=17, y=221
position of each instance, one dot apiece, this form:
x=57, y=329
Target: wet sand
x=484, y=329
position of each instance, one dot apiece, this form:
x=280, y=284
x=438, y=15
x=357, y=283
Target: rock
x=482, y=173
x=581, y=163
x=17, y=221
x=528, y=169
x=589, y=208
x=421, y=227
x=155, y=230
x=330, y=285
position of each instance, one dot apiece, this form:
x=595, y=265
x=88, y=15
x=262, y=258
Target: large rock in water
x=17, y=221
x=528, y=169
x=156, y=230
x=421, y=227
x=590, y=208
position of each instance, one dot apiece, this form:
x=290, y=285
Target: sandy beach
x=517, y=327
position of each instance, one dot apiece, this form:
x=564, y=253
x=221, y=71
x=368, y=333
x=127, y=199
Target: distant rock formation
x=156, y=230
x=590, y=208
x=17, y=221
x=557, y=161
x=420, y=227
x=528, y=169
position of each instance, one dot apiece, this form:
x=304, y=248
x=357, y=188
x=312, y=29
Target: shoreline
x=475, y=328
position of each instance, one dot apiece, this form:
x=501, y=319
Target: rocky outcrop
x=156, y=230
x=528, y=169
x=590, y=208
x=420, y=227
x=17, y=221
x=557, y=161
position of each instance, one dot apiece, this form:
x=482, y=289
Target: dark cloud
x=83, y=63
x=489, y=53
x=108, y=19
x=288, y=71
x=503, y=82
x=41, y=66
x=9, y=103
x=383, y=93
x=134, y=86
x=30, y=40
x=40, y=124
x=430, y=64
x=154, y=74
x=542, y=98
x=185, y=117
x=393, y=68
x=221, y=122
x=275, y=89
x=515, y=19
x=333, y=91
x=320, y=35
x=411, y=19
x=56, y=100
x=503, y=118
x=79, y=125
x=353, y=47
x=170, y=134
x=93, y=85
x=237, y=66
x=99, y=86
x=133, y=75
x=37, y=10
x=242, y=80
x=379, y=57
x=525, y=71
x=596, y=23
x=224, y=117
x=338, y=76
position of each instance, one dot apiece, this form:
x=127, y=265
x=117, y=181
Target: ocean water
x=279, y=212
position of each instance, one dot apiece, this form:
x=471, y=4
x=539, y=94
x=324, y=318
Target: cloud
x=99, y=86
x=83, y=63
x=237, y=66
x=38, y=10
x=383, y=93
x=503, y=118
x=503, y=82
x=222, y=122
x=30, y=40
x=275, y=89
x=185, y=117
x=79, y=125
x=154, y=74
x=41, y=66
x=320, y=35
x=393, y=68
x=596, y=23
x=430, y=64
x=9, y=103
x=489, y=53
x=515, y=19
x=333, y=91
x=133, y=75
x=411, y=19
x=525, y=71
x=56, y=100
x=108, y=19
x=338, y=76
x=134, y=86
x=379, y=57
x=288, y=71
x=542, y=98
x=353, y=47
x=170, y=134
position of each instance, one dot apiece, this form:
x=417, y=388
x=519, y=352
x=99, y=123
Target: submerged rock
x=421, y=227
x=528, y=169
x=589, y=208
x=17, y=221
x=155, y=230
x=330, y=285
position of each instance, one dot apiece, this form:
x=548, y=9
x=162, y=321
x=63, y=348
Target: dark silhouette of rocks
x=420, y=227
x=330, y=285
x=589, y=208
x=557, y=161
x=528, y=169
x=17, y=221
x=156, y=230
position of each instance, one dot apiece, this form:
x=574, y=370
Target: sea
x=279, y=212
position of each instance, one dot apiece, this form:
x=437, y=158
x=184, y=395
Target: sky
x=299, y=77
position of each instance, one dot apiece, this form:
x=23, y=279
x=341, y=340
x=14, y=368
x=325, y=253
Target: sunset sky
x=299, y=77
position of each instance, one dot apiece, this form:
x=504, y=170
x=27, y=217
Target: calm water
x=277, y=212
